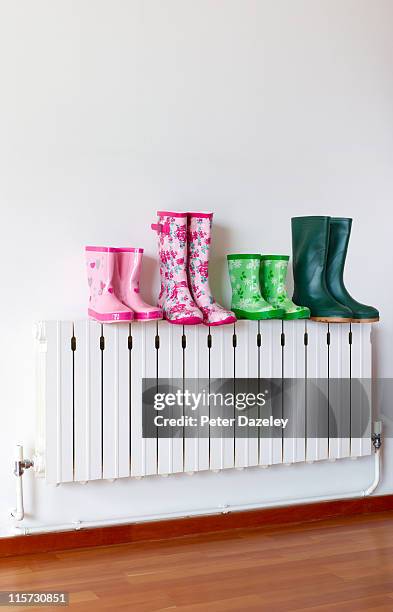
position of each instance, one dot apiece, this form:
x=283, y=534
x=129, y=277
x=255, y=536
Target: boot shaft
x=244, y=270
x=128, y=271
x=310, y=239
x=100, y=264
x=273, y=275
x=172, y=247
x=198, y=251
x=339, y=234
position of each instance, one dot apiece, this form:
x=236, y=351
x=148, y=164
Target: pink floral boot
x=199, y=238
x=128, y=272
x=175, y=297
x=104, y=306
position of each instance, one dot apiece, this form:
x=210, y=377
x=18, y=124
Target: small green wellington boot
x=247, y=301
x=340, y=231
x=310, y=241
x=273, y=275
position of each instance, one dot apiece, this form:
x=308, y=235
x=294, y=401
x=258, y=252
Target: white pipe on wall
x=377, y=474
x=19, y=513
x=76, y=525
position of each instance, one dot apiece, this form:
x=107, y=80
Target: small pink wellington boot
x=175, y=297
x=199, y=238
x=104, y=306
x=128, y=272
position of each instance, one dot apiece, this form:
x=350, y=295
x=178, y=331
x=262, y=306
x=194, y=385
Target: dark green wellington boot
x=340, y=231
x=247, y=301
x=310, y=239
x=273, y=276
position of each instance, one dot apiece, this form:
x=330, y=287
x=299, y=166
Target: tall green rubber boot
x=273, y=276
x=340, y=231
x=310, y=240
x=247, y=301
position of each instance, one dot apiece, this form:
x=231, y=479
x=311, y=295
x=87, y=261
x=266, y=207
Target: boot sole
x=293, y=317
x=226, y=321
x=113, y=317
x=258, y=316
x=331, y=319
x=374, y=320
x=147, y=316
x=185, y=321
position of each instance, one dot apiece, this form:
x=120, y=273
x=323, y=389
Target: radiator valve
x=21, y=465
x=376, y=437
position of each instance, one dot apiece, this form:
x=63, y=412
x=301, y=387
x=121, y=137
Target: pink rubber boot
x=129, y=264
x=104, y=306
x=175, y=297
x=199, y=238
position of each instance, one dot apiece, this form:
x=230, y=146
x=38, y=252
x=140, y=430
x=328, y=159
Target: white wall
x=256, y=109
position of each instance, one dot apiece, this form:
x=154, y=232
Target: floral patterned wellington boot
x=273, y=274
x=104, y=305
x=175, y=297
x=247, y=301
x=199, y=239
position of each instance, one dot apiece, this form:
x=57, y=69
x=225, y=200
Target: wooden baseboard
x=174, y=528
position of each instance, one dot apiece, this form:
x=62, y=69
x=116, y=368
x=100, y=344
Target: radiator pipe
x=76, y=525
x=21, y=465
x=377, y=443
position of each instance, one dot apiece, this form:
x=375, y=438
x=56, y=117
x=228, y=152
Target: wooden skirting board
x=174, y=528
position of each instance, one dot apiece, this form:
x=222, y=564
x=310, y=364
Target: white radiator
x=89, y=392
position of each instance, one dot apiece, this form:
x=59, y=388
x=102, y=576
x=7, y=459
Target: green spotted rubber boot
x=247, y=301
x=273, y=275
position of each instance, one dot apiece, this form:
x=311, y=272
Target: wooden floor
x=342, y=565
